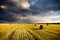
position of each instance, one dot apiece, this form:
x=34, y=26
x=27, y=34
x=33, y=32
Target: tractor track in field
x=34, y=35
x=52, y=33
x=22, y=33
x=10, y=36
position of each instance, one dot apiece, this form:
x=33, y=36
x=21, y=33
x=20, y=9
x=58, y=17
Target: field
x=29, y=32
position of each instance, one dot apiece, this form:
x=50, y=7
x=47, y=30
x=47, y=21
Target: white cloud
x=50, y=17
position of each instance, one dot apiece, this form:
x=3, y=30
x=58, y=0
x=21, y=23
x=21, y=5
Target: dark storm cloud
x=45, y=5
x=46, y=11
x=38, y=9
x=12, y=10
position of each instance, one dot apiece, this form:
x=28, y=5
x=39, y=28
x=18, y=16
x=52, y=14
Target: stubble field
x=29, y=32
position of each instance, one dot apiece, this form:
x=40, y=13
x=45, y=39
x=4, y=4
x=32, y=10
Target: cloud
x=49, y=17
x=40, y=11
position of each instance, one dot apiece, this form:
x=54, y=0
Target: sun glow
x=25, y=5
x=3, y=7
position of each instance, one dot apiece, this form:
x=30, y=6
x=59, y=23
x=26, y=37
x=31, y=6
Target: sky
x=30, y=11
